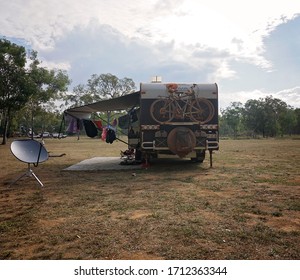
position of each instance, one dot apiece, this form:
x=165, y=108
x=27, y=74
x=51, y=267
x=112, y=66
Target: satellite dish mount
x=31, y=152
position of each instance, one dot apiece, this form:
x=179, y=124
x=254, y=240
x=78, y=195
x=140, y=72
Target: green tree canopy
x=22, y=86
x=232, y=116
x=267, y=116
x=254, y=116
x=14, y=84
x=46, y=86
x=100, y=87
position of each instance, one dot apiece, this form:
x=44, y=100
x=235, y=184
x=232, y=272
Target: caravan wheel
x=200, y=156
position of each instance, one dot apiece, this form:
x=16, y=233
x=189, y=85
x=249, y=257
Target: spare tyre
x=181, y=141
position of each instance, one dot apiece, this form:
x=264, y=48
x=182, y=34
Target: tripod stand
x=29, y=173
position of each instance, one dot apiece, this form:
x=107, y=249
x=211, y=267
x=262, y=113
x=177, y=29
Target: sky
x=251, y=49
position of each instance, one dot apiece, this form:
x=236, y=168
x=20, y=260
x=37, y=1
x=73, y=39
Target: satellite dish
x=31, y=152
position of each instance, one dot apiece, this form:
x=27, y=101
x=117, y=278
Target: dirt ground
x=246, y=207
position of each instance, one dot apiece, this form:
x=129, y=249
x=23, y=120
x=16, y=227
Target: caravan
x=165, y=119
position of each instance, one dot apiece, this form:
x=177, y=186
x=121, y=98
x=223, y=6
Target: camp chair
x=31, y=152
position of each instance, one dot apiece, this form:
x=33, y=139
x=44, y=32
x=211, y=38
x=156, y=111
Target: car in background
x=58, y=135
x=45, y=134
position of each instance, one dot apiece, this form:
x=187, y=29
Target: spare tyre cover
x=181, y=141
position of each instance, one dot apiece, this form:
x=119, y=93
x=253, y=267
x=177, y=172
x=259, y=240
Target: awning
x=124, y=102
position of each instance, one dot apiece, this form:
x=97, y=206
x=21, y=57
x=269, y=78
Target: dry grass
x=246, y=207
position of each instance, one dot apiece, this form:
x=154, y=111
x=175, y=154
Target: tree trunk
x=6, y=125
x=5, y=130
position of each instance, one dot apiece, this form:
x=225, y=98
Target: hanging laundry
x=133, y=116
x=124, y=121
x=114, y=123
x=74, y=124
x=90, y=128
x=111, y=136
x=104, y=134
x=98, y=124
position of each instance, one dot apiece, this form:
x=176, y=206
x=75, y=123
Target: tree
x=269, y=116
x=46, y=86
x=100, y=87
x=274, y=108
x=254, y=116
x=79, y=97
x=287, y=121
x=14, y=85
x=232, y=116
x=297, y=125
x=29, y=87
x=107, y=86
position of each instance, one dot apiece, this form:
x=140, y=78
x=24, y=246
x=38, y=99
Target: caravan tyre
x=181, y=141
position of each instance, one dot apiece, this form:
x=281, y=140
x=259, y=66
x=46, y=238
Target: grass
x=245, y=207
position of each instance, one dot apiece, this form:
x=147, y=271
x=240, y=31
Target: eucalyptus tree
x=274, y=109
x=46, y=87
x=268, y=116
x=99, y=87
x=14, y=84
x=254, y=116
x=232, y=117
x=24, y=86
x=107, y=86
x=288, y=121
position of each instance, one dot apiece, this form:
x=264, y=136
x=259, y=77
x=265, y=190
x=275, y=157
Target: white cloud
x=56, y=65
x=214, y=23
x=235, y=26
x=290, y=96
x=186, y=40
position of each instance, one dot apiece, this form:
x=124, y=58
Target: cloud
x=102, y=49
x=218, y=24
x=233, y=26
x=235, y=43
x=282, y=49
x=290, y=96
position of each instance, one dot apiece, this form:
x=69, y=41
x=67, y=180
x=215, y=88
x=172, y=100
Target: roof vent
x=156, y=79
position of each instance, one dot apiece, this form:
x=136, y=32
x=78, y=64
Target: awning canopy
x=124, y=102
